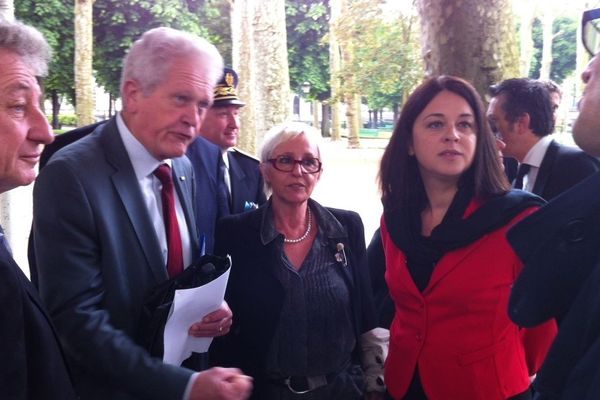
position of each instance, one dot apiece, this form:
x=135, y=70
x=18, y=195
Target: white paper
x=190, y=306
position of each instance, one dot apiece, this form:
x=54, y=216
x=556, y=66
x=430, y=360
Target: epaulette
x=245, y=154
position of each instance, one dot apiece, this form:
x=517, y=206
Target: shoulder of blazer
x=569, y=154
x=349, y=219
x=203, y=151
x=242, y=155
x=102, y=145
x=183, y=164
x=240, y=223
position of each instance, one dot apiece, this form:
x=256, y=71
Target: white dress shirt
x=144, y=165
x=534, y=158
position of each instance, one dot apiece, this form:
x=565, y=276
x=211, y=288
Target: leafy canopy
x=308, y=51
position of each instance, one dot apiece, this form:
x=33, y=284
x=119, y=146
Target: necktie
x=224, y=194
x=174, y=246
x=521, y=172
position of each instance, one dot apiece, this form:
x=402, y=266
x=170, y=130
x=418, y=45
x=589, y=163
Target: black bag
x=156, y=307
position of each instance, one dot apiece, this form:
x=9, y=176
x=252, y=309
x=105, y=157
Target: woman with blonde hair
x=299, y=286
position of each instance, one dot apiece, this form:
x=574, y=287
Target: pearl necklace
x=308, y=228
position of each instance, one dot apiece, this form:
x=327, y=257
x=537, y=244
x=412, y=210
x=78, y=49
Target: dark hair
x=551, y=86
x=523, y=95
x=399, y=177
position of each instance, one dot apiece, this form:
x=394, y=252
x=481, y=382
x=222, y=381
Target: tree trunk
x=273, y=85
x=334, y=68
x=315, y=114
x=353, y=119
x=473, y=39
x=260, y=56
x=527, y=14
x=7, y=10
x=55, y=109
x=84, y=81
x=326, y=119
x=352, y=99
x=547, y=20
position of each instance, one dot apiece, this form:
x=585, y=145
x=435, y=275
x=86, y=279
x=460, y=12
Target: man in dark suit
x=560, y=247
x=66, y=139
x=205, y=158
x=522, y=112
x=240, y=180
x=205, y=173
x=113, y=218
x=33, y=366
x=58, y=143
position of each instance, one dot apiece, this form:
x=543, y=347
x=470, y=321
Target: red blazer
x=458, y=331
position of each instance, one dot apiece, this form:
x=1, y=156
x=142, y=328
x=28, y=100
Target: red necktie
x=174, y=247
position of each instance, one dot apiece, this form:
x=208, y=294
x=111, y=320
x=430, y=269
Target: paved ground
x=349, y=180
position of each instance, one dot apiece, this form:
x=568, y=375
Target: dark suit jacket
x=560, y=247
x=33, y=366
x=65, y=139
x=255, y=294
x=562, y=168
x=204, y=157
x=246, y=181
x=384, y=306
x=98, y=257
x=59, y=142
x=511, y=166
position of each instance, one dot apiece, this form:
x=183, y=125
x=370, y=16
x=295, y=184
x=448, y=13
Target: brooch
x=340, y=256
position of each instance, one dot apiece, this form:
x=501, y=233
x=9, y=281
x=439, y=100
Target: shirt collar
x=225, y=157
x=536, y=154
x=329, y=226
x=142, y=161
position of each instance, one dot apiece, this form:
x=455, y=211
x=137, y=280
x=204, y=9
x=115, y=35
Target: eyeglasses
x=590, y=30
x=287, y=164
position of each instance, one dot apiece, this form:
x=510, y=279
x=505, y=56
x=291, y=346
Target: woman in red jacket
x=447, y=207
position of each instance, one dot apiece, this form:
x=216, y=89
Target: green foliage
x=54, y=18
x=308, y=51
x=386, y=56
x=117, y=24
x=214, y=15
x=66, y=120
x=564, y=48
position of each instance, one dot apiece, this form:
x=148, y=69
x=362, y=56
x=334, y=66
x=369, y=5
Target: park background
x=343, y=66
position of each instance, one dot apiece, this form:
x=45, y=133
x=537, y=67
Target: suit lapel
x=449, y=262
x=183, y=186
x=545, y=169
x=129, y=191
x=26, y=284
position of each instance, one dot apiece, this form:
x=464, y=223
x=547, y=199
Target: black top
x=256, y=295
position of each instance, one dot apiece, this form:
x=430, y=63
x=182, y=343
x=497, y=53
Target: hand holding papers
x=159, y=304
x=189, y=306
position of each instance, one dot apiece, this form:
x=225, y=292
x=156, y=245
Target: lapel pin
x=182, y=178
x=340, y=256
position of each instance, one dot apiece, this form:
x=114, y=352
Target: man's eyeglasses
x=590, y=30
x=287, y=164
